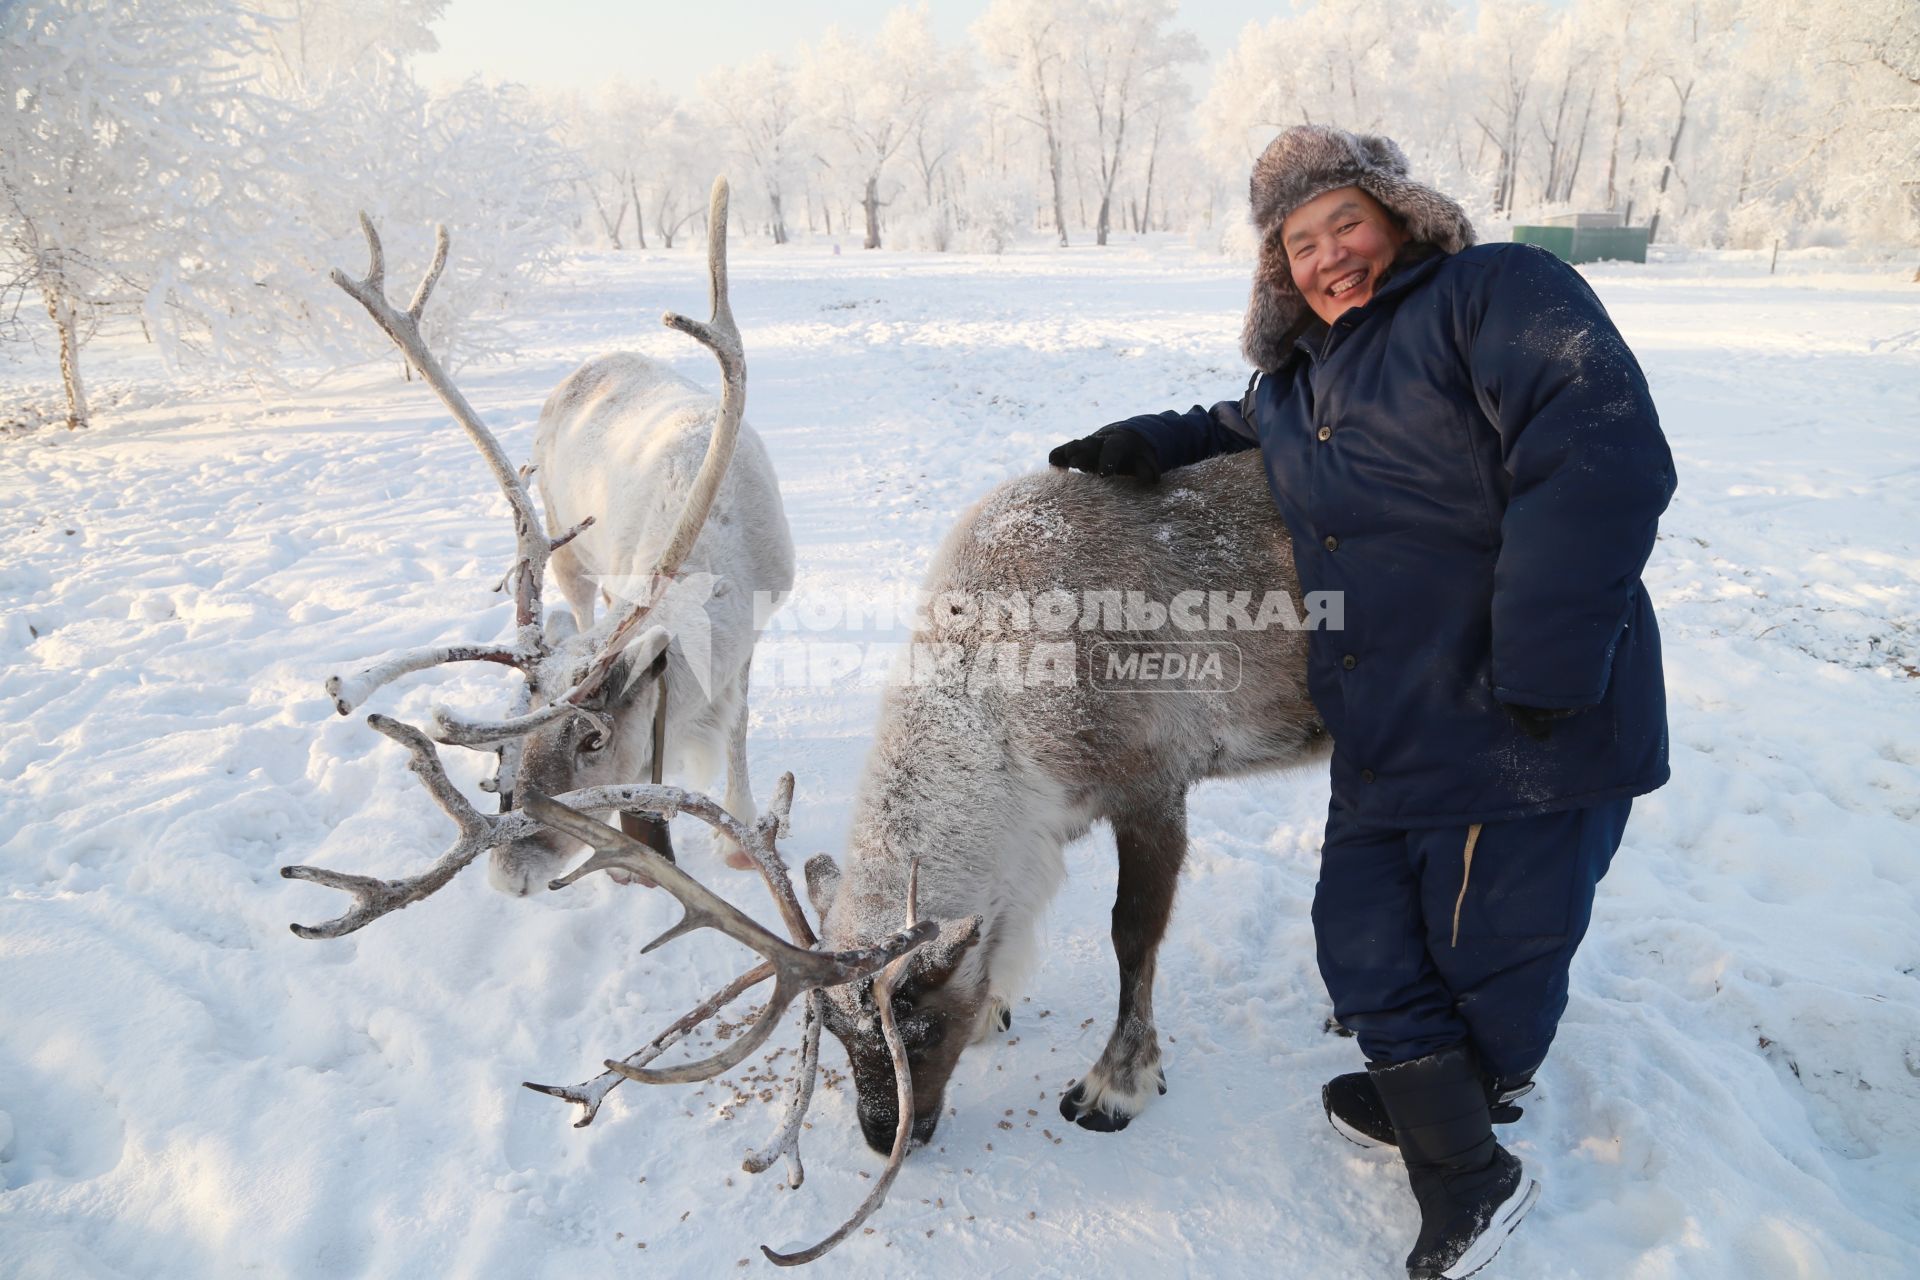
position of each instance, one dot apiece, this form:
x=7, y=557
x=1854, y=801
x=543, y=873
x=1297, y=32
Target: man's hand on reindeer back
x=1110, y=451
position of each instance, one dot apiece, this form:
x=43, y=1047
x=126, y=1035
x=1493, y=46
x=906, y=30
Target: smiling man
x=1339, y=246
x=1461, y=444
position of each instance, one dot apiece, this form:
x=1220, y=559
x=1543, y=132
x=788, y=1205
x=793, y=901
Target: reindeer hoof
x=994, y=1019
x=1076, y=1106
x=1105, y=1104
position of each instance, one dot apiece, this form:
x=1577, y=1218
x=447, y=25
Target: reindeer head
x=938, y=1001
x=608, y=741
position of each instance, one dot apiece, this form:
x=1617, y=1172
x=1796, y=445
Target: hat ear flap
x=1272, y=308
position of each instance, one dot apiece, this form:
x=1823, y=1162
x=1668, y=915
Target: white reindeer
x=659, y=500
x=621, y=441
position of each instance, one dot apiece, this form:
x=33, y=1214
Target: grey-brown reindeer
x=979, y=780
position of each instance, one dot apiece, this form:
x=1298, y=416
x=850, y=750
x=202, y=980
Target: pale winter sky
x=584, y=42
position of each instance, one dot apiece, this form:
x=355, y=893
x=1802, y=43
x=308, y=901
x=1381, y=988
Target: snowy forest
x=194, y=165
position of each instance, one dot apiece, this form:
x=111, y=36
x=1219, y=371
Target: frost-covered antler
x=903, y=1091
x=720, y=335
x=374, y=898
x=533, y=547
x=531, y=648
x=531, y=544
x=479, y=832
x=795, y=969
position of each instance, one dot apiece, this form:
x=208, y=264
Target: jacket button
x=1366, y=775
x=1330, y=542
x=1349, y=662
x=1325, y=433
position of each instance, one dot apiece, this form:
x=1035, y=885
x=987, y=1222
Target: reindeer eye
x=590, y=742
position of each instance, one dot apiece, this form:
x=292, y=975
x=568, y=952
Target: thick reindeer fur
x=621, y=439
x=984, y=784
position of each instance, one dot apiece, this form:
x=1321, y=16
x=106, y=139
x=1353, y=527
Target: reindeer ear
x=823, y=881
x=935, y=961
x=627, y=679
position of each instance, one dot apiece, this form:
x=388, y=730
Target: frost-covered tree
x=1163, y=113
x=1506, y=38
x=1563, y=110
x=1031, y=42
x=1124, y=55
x=603, y=128
x=1366, y=65
x=644, y=160
x=1840, y=142
x=487, y=160
x=483, y=159
x=871, y=98
x=191, y=164
x=677, y=171
x=1691, y=47
x=308, y=42
x=1355, y=64
x=761, y=111
x=938, y=138
x=1621, y=36
x=136, y=157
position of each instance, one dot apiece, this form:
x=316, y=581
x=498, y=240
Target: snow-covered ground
x=188, y=1090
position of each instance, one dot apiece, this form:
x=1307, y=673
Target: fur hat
x=1310, y=160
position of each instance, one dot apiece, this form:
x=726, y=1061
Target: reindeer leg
x=650, y=830
x=739, y=785
x=1152, y=841
x=575, y=585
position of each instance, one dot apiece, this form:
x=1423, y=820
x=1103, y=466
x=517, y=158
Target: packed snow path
x=188, y=1090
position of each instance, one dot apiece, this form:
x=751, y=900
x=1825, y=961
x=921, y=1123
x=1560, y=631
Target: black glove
x=1537, y=722
x=1110, y=451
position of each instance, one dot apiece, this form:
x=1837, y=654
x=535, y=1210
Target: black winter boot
x=1472, y=1191
x=1356, y=1113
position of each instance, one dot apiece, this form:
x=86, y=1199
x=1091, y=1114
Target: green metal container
x=1578, y=244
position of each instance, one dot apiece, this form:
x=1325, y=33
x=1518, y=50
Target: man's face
x=1338, y=245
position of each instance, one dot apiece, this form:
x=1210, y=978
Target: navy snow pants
x=1407, y=981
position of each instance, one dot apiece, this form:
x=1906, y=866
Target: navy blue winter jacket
x=1472, y=457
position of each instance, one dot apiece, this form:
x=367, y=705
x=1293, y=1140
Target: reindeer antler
x=531, y=544
x=722, y=337
x=793, y=970
x=903, y=1093
x=719, y=334
x=374, y=898
x=798, y=967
